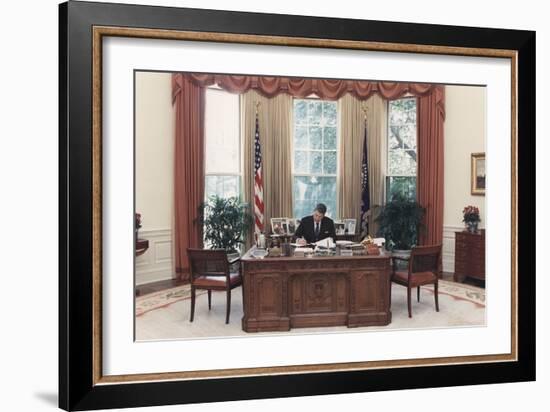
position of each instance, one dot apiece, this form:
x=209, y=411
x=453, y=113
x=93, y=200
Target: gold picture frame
x=478, y=177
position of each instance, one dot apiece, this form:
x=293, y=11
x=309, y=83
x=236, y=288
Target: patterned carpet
x=165, y=314
x=163, y=298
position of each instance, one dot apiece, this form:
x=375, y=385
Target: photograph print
x=271, y=146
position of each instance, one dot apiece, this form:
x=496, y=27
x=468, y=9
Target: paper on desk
x=328, y=243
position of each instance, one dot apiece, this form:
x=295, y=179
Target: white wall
x=154, y=174
x=465, y=133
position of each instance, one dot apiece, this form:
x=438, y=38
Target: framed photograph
x=285, y=227
x=349, y=226
x=478, y=174
x=278, y=225
x=136, y=90
x=339, y=227
x=292, y=225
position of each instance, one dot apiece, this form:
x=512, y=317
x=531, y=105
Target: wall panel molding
x=449, y=247
x=156, y=263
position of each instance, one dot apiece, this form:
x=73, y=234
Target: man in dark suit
x=315, y=227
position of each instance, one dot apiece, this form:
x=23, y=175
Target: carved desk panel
x=290, y=292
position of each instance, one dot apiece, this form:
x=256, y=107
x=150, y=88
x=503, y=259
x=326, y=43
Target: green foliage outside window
x=402, y=160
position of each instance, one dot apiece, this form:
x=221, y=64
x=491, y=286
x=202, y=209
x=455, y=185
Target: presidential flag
x=365, y=192
x=258, y=182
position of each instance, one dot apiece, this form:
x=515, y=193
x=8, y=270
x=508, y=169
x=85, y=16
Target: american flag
x=258, y=182
x=365, y=195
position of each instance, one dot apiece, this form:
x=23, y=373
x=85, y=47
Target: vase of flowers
x=471, y=218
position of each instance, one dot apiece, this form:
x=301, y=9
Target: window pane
x=406, y=135
x=410, y=162
x=329, y=138
x=402, y=139
x=300, y=137
x=315, y=137
x=409, y=104
x=300, y=112
x=315, y=112
x=329, y=163
x=397, y=115
x=396, y=161
x=222, y=148
x=315, y=159
x=319, y=160
x=301, y=161
x=411, y=116
x=308, y=191
x=222, y=186
x=395, y=142
x=329, y=113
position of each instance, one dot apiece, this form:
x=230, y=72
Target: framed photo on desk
x=108, y=48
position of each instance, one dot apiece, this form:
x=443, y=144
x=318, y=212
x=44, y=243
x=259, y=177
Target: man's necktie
x=317, y=229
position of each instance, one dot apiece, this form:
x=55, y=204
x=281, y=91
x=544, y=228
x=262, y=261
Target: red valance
x=329, y=89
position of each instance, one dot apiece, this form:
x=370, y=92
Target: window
x=315, y=156
x=222, y=144
x=401, y=169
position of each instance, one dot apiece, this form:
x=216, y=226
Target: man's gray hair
x=321, y=208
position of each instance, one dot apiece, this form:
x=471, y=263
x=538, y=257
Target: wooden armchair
x=423, y=269
x=210, y=270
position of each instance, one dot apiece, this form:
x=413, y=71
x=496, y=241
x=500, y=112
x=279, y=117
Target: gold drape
x=275, y=118
x=351, y=125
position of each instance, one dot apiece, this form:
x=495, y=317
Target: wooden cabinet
x=291, y=292
x=469, y=255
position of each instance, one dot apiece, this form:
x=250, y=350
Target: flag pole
x=259, y=225
x=365, y=213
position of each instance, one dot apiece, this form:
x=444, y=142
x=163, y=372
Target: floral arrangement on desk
x=471, y=218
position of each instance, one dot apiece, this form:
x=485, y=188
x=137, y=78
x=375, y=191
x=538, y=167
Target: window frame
x=293, y=150
x=239, y=174
x=388, y=136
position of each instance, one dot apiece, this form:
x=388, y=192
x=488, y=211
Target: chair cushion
x=217, y=281
x=418, y=278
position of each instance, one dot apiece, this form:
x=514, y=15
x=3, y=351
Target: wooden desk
x=292, y=292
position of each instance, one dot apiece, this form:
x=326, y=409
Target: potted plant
x=471, y=218
x=225, y=222
x=400, y=221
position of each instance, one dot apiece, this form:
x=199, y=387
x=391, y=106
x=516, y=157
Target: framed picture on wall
x=478, y=173
x=106, y=47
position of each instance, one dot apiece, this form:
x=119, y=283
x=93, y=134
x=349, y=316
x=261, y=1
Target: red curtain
x=189, y=100
x=429, y=189
x=329, y=89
